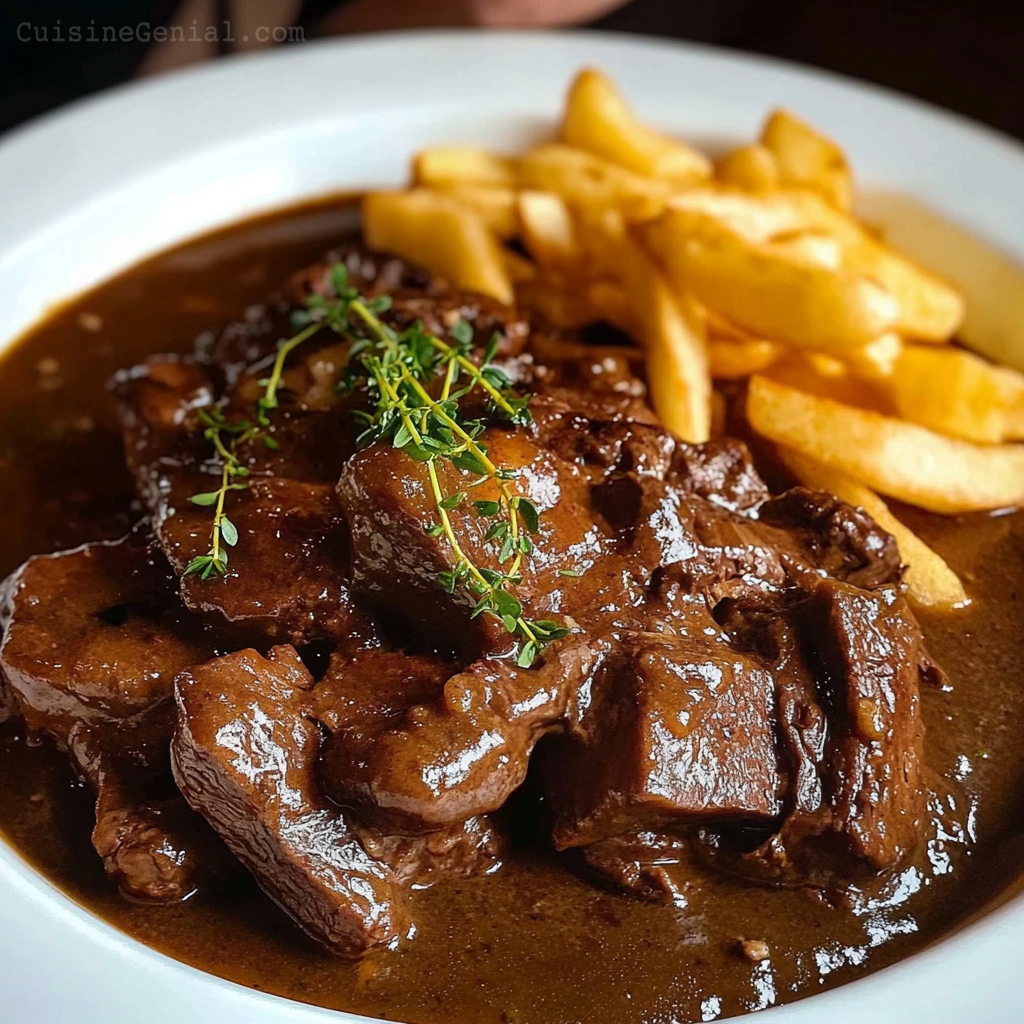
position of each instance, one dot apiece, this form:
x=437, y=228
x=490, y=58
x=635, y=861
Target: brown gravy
x=534, y=943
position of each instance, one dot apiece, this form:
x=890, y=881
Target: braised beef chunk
x=463, y=753
x=848, y=665
x=92, y=641
x=868, y=651
x=844, y=541
x=286, y=577
x=673, y=730
x=245, y=756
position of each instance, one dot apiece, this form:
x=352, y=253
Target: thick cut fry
x=768, y=294
x=814, y=248
x=548, y=231
x=495, y=204
x=441, y=234
x=752, y=168
x=672, y=333
x=732, y=359
x=877, y=361
x=900, y=459
x=808, y=158
x=991, y=281
x=446, y=165
x=677, y=362
x=957, y=393
x=597, y=119
x=827, y=377
x=586, y=180
x=930, y=581
x=799, y=224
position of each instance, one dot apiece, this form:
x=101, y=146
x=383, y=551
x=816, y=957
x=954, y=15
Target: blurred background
x=965, y=55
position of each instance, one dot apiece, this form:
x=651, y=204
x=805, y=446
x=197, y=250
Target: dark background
x=966, y=56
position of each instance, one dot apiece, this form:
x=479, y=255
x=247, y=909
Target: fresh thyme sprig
x=396, y=370
x=227, y=439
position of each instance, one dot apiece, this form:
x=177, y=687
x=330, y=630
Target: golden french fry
x=930, y=581
x=991, y=281
x=827, y=377
x=814, y=248
x=807, y=158
x=732, y=359
x=957, y=393
x=876, y=361
x=438, y=233
x=800, y=224
x=548, y=231
x=597, y=119
x=586, y=180
x=447, y=165
x=677, y=362
x=752, y=168
x=496, y=205
x=672, y=332
x=768, y=294
x=903, y=460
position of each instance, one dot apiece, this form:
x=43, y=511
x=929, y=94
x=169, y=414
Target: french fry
x=827, y=377
x=672, y=333
x=930, y=581
x=448, y=165
x=587, y=180
x=807, y=158
x=991, y=281
x=548, y=231
x=815, y=248
x=800, y=224
x=877, y=360
x=957, y=393
x=441, y=234
x=496, y=205
x=752, y=168
x=768, y=294
x=732, y=359
x=598, y=120
x=900, y=459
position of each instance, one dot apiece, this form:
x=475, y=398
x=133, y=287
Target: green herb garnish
x=395, y=369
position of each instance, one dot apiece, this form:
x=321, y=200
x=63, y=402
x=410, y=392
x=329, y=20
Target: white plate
x=91, y=190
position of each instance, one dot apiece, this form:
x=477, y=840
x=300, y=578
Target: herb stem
x=269, y=400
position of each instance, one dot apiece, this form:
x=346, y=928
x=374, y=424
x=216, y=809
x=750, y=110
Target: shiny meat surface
x=93, y=638
x=245, y=756
x=673, y=729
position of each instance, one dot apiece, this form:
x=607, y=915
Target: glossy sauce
x=537, y=942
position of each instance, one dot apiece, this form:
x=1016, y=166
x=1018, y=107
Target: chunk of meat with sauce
x=287, y=575
x=245, y=755
x=463, y=753
x=92, y=641
x=848, y=665
x=672, y=730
